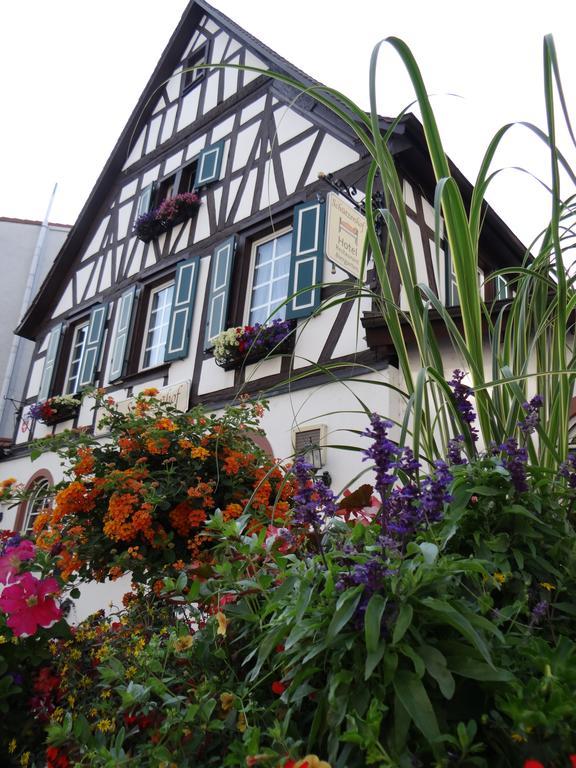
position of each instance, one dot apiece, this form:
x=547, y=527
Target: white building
x=124, y=314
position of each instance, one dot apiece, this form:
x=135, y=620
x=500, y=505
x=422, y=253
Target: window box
x=240, y=346
x=172, y=211
x=55, y=409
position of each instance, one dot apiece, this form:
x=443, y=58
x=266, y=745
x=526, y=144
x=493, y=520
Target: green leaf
x=455, y=619
x=402, y=623
x=345, y=608
x=373, y=621
x=477, y=670
x=373, y=659
x=412, y=694
x=430, y=552
x=436, y=666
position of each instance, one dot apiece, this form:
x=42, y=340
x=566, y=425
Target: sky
x=72, y=72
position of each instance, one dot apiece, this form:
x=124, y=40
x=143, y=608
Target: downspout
x=26, y=299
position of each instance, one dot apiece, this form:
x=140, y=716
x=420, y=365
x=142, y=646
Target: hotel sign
x=345, y=234
x=177, y=395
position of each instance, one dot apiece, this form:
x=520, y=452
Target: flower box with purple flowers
x=239, y=346
x=55, y=409
x=172, y=211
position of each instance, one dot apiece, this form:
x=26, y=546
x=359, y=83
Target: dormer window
x=192, y=77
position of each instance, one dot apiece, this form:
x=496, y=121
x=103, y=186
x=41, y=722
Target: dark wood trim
x=425, y=233
x=336, y=330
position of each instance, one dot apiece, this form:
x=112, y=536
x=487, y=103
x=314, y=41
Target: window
x=194, y=76
x=35, y=504
x=39, y=487
x=270, y=274
x=75, y=360
x=501, y=289
x=157, y=322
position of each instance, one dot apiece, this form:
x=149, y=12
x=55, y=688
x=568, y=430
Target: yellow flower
x=12, y=746
x=3, y=639
x=58, y=715
x=241, y=723
x=547, y=585
x=130, y=672
x=183, y=643
x=199, y=453
x=499, y=577
x=71, y=701
x=227, y=701
x=517, y=737
x=106, y=694
x=222, y=623
x=25, y=759
x=105, y=725
x=313, y=762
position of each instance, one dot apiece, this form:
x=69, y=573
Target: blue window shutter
x=182, y=309
x=209, y=164
x=93, y=345
x=221, y=263
x=123, y=329
x=50, y=361
x=307, y=260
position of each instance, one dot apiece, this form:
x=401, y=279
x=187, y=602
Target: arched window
x=38, y=486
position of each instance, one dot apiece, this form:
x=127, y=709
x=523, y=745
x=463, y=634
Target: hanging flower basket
x=239, y=346
x=55, y=409
x=172, y=211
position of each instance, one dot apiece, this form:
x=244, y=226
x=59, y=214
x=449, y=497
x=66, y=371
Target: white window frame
x=261, y=241
x=167, y=308
x=71, y=359
x=35, y=504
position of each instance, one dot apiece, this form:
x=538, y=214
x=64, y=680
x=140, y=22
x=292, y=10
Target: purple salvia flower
x=313, y=501
x=514, y=459
x=568, y=470
x=383, y=452
x=539, y=611
x=434, y=493
x=455, y=448
x=408, y=463
x=528, y=425
x=462, y=393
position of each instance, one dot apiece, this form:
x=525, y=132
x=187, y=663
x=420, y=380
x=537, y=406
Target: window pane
x=36, y=503
x=76, y=353
x=282, y=267
x=270, y=281
x=157, y=326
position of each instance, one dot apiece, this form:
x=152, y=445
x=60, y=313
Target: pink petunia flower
x=30, y=604
x=11, y=561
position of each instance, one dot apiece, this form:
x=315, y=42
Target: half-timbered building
x=135, y=300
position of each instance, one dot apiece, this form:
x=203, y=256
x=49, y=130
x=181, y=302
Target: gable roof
x=169, y=60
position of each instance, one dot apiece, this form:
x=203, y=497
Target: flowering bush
x=252, y=342
x=30, y=615
x=445, y=590
x=170, y=212
x=55, y=409
x=141, y=501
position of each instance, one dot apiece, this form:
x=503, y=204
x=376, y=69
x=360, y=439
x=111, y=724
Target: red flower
x=279, y=648
x=278, y=687
x=11, y=561
x=533, y=764
x=572, y=761
x=30, y=604
x=56, y=759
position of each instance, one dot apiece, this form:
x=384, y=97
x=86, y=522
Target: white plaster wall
x=336, y=406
